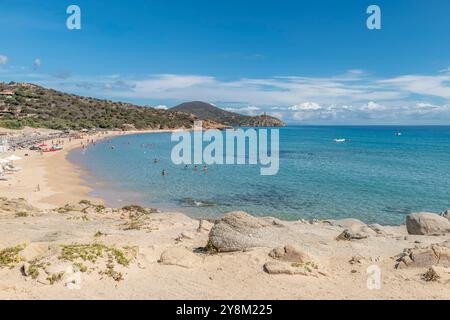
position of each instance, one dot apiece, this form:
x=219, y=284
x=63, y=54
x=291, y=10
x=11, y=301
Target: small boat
x=340, y=140
x=398, y=134
x=53, y=149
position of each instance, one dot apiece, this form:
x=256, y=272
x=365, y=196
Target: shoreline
x=58, y=180
x=170, y=255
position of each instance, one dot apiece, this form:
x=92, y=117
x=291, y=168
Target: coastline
x=60, y=181
x=173, y=256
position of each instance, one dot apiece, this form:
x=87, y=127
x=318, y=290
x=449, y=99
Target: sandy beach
x=55, y=247
x=58, y=179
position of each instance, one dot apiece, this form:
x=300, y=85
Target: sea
x=378, y=174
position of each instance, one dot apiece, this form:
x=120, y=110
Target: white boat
x=340, y=140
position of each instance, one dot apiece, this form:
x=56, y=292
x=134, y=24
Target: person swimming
x=164, y=173
x=195, y=168
x=205, y=169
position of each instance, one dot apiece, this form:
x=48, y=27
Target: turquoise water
x=375, y=177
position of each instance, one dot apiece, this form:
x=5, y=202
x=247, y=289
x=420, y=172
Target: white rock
x=179, y=256
x=426, y=223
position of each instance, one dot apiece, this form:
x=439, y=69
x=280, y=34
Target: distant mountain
x=26, y=104
x=205, y=111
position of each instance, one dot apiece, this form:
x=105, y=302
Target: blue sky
x=305, y=61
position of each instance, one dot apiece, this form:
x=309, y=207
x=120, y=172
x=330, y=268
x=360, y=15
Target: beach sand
x=59, y=180
x=164, y=255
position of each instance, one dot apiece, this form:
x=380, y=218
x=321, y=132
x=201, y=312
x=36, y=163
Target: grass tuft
x=10, y=256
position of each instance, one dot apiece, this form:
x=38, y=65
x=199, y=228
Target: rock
x=290, y=253
x=278, y=267
x=179, y=256
x=356, y=259
x=185, y=235
x=275, y=267
x=426, y=223
x=291, y=260
x=361, y=233
x=379, y=230
x=14, y=206
x=353, y=229
x=204, y=225
x=348, y=223
x=437, y=273
x=446, y=214
x=238, y=230
x=436, y=254
x=356, y=234
x=24, y=269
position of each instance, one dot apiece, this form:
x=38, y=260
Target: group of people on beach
x=85, y=144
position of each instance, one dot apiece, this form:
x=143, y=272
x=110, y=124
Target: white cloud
x=306, y=106
x=351, y=97
x=37, y=62
x=438, y=86
x=3, y=59
x=373, y=106
x=249, y=110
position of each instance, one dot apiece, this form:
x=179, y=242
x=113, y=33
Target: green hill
x=205, y=110
x=25, y=104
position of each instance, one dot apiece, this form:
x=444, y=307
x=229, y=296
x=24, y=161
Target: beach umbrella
x=13, y=158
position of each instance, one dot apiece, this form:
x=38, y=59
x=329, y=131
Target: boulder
x=379, y=229
x=426, y=223
x=179, y=256
x=436, y=254
x=291, y=253
x=354, y=229
x=237, y=231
